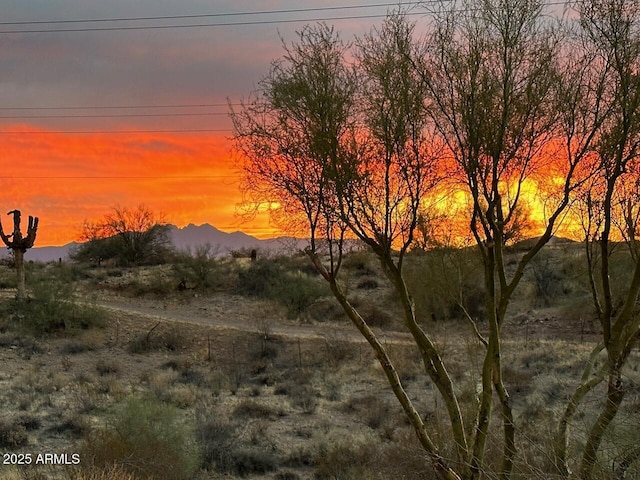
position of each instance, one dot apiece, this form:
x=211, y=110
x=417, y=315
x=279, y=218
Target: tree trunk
x=19, y=259
x=615, y=395
x=561, y=438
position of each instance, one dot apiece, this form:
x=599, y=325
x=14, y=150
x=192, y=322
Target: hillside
x=184, y=238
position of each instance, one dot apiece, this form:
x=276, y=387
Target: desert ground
x=113, y=372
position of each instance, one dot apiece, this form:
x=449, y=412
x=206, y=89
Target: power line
x=63, y=132
x=211, y=15
x=112, y=177
x=219, y=24
x=123, y=115
x=198, y=25
x=123, y=107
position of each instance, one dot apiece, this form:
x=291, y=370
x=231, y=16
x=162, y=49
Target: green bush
x=292, y=288
x=146, y=438
x=198, y=269
x=441, y=279
x=51, y=306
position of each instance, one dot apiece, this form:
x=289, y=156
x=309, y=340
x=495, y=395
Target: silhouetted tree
x=130, y=237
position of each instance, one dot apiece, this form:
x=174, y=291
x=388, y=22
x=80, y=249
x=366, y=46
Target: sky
x=113, y=116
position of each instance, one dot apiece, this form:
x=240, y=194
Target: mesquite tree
x=493, y=100
x=610, y=30
x=19, y=245
x=347, y=151
x=503, y=97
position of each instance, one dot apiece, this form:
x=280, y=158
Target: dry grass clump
x=13, y=433
x=252, y=409
x=113, y=472
x=346, y=460
x=107, y=367
x=222, y=450
x=304, y=397
x=374, y=411
x=76, y=346
x=73, y=424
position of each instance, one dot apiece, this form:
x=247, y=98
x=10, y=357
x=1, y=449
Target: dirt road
x=229, y=312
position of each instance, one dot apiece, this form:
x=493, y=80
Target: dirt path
x=229, y=312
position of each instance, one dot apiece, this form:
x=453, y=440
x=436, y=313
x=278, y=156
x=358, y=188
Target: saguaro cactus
x=19, y=244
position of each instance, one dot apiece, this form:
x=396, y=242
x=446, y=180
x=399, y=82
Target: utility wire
x=118, y=177
x=215, y=15
x=63, y=132
x=123, y=107
x=219, y=24
x=198, y=25
x=123, y=115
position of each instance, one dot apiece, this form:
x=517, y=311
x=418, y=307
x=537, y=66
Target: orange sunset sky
x=102, y=112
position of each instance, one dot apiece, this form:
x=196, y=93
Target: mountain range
x=185, y=238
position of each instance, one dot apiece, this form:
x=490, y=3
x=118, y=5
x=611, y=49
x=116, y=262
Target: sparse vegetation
x=199, y=269
x=51, y=306
x=145, y=438
x=266, y=404
x=470, y=363
x=271, y=279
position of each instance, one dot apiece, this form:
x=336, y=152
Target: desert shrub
x=106, y=367
x=303, y=397
x=51, y=306
x=145, y=438
x=189, y=376
x=324, y=309
x=443, y=279
x=157, y=339
x=268, y=278
x=370, y=409
x=74, y=347
x=345, y=461
x=12, y=433
x=286, y=476
x=358, y=263
x=27, y=345
x=404, y=459
x=113, y=472
x=75, y=425
x=244, y=252
x=126, y=236
x=367, y=284
x=219, y=443
x=158, y=285
x=337, y=351
x=253, y=409
x=547, y=278
x=29, y=422
x=376, y=316
x=198, y=268
x=621, y=267
x=8, y=278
